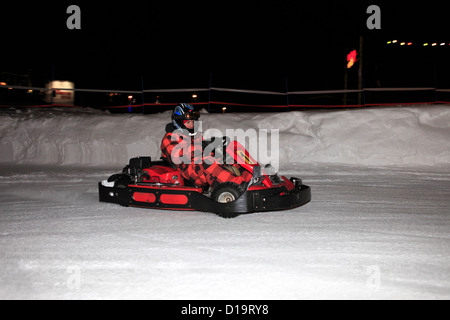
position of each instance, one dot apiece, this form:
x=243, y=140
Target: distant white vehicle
x=62, y=92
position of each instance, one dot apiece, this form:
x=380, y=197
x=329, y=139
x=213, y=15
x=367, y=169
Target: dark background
x=244, y=44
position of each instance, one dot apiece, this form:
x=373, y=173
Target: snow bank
x=398, y=136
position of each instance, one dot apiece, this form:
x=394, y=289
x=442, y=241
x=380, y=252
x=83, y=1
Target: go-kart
x=151, y=184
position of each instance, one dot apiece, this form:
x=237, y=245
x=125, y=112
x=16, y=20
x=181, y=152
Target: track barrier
x=237, y=98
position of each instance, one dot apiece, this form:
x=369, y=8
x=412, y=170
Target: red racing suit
x=186, y=153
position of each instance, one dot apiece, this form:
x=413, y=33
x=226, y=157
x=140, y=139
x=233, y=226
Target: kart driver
x=181, y=136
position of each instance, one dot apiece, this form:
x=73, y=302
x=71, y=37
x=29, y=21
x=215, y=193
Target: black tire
x=227, y=192
x=120, y=180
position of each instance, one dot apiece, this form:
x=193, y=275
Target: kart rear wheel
x=120, y=180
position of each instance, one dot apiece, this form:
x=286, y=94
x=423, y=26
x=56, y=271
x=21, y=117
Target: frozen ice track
x=368, y=233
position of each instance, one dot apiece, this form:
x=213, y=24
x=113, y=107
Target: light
x=30, y=91
x=425, y=44
x=394, y=41
x=403, y=43
x=130, y=98
x=351, y=58
x=443, y=44
x=2, y=83
x=224, y=109
x=409, y=43
x=194, y=96
x=389, y=42
x=434, y=44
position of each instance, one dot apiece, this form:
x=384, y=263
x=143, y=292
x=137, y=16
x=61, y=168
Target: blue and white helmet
x=184, y=112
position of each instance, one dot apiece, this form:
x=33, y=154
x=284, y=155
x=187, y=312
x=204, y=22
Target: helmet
x=184, y=112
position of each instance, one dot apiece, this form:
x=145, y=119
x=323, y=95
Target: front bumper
x=274, y=199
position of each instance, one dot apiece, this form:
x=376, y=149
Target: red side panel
x=179, y=199
x=144, y=197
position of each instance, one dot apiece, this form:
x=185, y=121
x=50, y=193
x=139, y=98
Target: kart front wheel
x=227, y=192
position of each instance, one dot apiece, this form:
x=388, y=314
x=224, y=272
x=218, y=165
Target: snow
x=377, y=228
x=403, y=136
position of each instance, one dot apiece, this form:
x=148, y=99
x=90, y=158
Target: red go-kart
x=157, y=185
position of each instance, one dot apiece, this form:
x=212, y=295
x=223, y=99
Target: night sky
x=247, y=44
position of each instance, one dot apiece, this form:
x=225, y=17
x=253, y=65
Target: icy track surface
x=368, y=234
x=378, y=226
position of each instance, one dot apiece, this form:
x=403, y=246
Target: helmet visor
x=193, y=115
